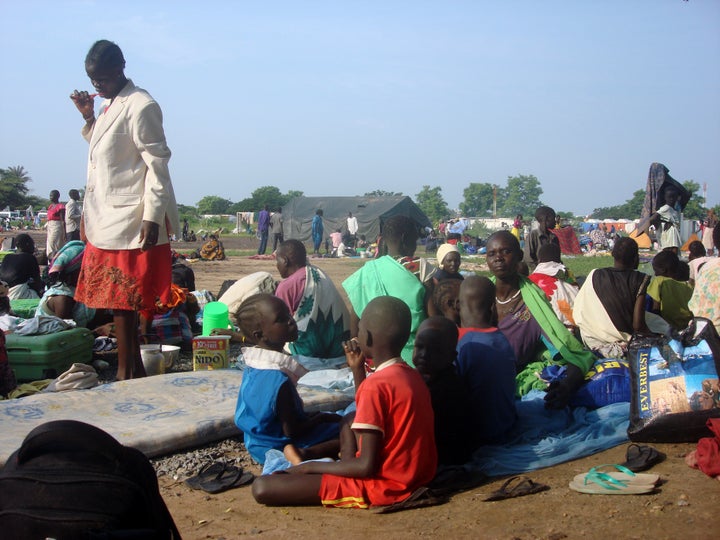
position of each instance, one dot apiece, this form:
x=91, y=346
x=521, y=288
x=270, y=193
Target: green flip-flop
x=619, y=472
x=620, y=482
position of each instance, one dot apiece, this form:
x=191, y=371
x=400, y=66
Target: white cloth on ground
x=78, y=377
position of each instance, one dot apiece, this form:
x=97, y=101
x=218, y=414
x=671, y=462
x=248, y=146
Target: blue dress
x=256, y=414
x=317, y=232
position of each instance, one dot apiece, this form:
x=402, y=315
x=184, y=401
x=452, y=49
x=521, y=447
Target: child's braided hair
x=248, y=315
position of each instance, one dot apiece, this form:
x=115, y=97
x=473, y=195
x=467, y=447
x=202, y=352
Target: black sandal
x=517, y=486
x=218, y=477
x=640, y=458
x=208, y=472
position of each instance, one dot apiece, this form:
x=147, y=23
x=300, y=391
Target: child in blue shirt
x=269, y=410
x=485, y=361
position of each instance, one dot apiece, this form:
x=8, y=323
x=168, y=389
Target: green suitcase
x=47, y=356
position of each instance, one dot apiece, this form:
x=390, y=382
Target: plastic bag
x=607, y=382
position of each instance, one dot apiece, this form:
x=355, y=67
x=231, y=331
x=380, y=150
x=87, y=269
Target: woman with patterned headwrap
x=59, y=299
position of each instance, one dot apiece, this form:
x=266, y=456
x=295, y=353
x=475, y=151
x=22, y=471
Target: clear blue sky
x=345, y=97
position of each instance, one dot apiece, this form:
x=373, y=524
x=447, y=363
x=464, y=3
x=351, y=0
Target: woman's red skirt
x=125, y=279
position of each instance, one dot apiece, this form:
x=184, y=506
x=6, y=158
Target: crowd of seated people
x=435, y=356
x=470, y=343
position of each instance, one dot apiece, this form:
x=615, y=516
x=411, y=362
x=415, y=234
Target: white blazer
x=128, y=179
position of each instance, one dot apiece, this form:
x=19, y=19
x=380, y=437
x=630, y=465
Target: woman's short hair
x=509, y=237
x=549, y=253
x=25, y=243
x=544, y=211
x=666, y=263
x=397, y=227
x=625, y=251
x=446, y=290
x=295, y=251
x=697, y=249
x=105, y=54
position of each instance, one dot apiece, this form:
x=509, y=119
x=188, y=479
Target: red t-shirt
x=54, y=212
x=395, y=401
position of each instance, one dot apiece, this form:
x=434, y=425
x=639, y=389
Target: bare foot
x=293, y=454
x=691, y=459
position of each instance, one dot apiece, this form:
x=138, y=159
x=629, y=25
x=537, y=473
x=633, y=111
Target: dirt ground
x=686, y=504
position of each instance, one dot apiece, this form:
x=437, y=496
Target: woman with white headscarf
x=448, y=259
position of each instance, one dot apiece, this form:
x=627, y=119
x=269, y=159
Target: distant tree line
x=631, y=208
x=521, y=194
x=266, y=195
x=14, y=190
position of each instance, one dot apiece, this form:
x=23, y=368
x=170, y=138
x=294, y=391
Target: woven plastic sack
x=674, y=384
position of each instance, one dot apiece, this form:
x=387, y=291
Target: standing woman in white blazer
x=130, y=209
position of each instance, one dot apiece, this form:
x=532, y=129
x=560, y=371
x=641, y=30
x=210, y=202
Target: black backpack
x=71, y=480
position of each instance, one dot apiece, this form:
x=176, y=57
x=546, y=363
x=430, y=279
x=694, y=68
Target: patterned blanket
x=569, y=244
x=157, y=415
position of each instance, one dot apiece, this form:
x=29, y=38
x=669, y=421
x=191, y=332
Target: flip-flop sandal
x=642, y=457
x=231, y=478
x=517, y=486
x=598, y=483
x=208, y=472
x=621, y=473
x=420, y=498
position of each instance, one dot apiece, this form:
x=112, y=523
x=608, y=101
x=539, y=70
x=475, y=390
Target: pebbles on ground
x=187, y=463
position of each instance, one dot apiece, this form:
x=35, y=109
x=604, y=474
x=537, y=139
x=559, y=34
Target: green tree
x=212, y=204
x=477, y=200
x=13, y=187
x=269, y=195
x=381, y=193
x=292, y=194
x=630, y=209
x=633, y=206
x=245, y=205
x=431, y=202
x=695, y=208
x=608, y=212
x=520, y=196
x=189, y=212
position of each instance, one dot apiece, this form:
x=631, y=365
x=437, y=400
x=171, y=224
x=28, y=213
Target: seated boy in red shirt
x=393, y=449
